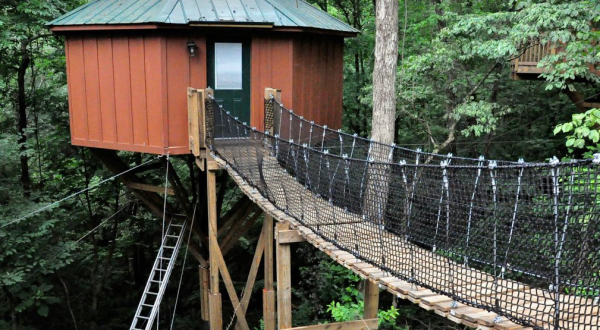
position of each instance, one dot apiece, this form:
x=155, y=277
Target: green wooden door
x=229, y=76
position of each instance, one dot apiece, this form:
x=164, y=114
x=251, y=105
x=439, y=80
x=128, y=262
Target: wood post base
x=269, y=309
x=216, y=314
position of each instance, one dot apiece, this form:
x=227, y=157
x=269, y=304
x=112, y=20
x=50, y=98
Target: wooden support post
x=371, y=299
x=268, y=292
x=273, y=128
x=204, y=287
x=284, y=282
x=196, y=120
x=216, y=317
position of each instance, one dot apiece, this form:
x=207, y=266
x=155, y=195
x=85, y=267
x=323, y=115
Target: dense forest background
x=83, y=264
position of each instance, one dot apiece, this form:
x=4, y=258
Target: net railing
x=515, y=238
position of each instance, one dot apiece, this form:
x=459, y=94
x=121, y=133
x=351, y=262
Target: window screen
x=228, y=66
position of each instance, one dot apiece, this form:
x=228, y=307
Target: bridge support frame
x=269, y=290
x=214, y=300
x=277, y=306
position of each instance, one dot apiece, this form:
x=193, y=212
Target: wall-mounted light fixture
x=192, y=48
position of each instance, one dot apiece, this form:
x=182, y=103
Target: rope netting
x=515, y=238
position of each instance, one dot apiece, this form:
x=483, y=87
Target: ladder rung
x=152, y=293
x=173, y=236
x=147, y=305
x=163, y=258
x=155, y=281
x=142, y=317
x=168, y=247
x=175, y=225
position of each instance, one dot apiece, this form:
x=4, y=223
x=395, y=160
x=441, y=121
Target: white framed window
x=228, y=65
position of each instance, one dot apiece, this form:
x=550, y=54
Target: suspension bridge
x=488, y=244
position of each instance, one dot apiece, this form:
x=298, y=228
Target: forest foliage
x=454, y=95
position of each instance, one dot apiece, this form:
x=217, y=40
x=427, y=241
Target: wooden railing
x=535, y=53
x=527, y=63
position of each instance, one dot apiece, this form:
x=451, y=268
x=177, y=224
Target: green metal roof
x=280, y=13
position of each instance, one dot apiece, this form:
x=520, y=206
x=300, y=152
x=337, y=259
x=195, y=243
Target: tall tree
x=384, y=73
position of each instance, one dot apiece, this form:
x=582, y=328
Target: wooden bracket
x=366, y=324
x=211, y=165
x=289, y=236
x=148, y=187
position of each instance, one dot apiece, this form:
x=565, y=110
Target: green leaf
x=43, y=310
x=557, y=129
x=567, y=127
x=594, y=136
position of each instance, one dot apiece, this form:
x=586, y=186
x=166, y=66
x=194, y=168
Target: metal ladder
x=159, y=278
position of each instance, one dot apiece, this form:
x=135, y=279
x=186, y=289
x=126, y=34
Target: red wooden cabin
x=130, y=62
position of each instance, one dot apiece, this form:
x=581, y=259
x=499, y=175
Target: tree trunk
x=384, y=110
x=384, y=72
x=22, y=118
x=13, y=308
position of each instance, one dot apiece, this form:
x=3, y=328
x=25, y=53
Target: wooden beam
x=216, y=322
x=211, y=165
x=252, y=276
x=180, y=191
x=241, y=315
x=147, y=187
x=195, y=249
x=284, y=281
x=268, y=292
x=204, y=288
x=201, y=164
x=236, y=235
x=242, y=205
x=371, y=299
x=366, y=324
x=289, y=236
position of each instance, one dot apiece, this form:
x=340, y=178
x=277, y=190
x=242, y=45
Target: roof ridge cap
x=328, y=14
x=287, y=14
x=162, y=14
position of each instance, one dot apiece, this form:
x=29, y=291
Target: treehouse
x=130, y=63
x=525, y=67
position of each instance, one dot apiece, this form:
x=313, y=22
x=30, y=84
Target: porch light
x=192, y=48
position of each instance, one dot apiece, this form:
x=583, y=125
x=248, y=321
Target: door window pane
x=228, y=66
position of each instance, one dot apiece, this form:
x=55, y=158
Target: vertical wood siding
x=271, y=66
x=129, y=92
x=318, y=78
